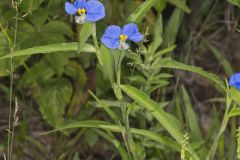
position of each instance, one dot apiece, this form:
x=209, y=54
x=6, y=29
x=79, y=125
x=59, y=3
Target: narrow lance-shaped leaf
x=143, y=99
x=84, y=34
x=168, y=63
x=107, y=63
x=191, y=117
x=61, y=47
x=141, y=11
x=116, y=128
x=180, y=4
x=167, y=122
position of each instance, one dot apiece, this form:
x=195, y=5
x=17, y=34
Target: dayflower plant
x=115, y=37
x=235, y=80
x=91, y=10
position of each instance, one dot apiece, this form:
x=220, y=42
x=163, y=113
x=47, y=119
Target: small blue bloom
x=91, y=10
x=115, y=37
x=235, y=80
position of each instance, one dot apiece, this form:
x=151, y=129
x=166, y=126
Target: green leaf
x=85, y=33
x=235, y=2
x=180, y=4
x=116, y=128
x=91, y=137
x=4, y=65
x=143, y=99
x=38, y=74
x=235, y=94
x=77, y=72
x=234, y=112
x=30, y=6
x=57, y=61
x=157, y=39
x=220, y=57
x=160, y=6
x=173, y=27
x=162, y=52
x=52, y=100
x=107, y=63
x=168, y=63
x=50, y=49
x=163, y=117
x=58, y=27
x=111, y=138
x=191, y=117
x=141, y=11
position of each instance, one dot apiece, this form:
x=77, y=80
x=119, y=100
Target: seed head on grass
x=184, y=146
x=15, y=116
x=238, y=143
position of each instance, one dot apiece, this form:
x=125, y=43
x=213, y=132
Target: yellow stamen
x=81, y=11
x=123, y=37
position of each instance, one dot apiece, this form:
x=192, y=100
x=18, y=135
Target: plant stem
x=10, y=133
x=213, y=148
x=94, y=35
x=79, y=40
x=223, y=126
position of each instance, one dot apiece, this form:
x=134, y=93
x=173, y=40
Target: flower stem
x=10, y=129
x=98, y=53
x=223, y=126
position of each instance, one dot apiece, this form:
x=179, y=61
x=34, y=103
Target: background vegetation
x=160, y=102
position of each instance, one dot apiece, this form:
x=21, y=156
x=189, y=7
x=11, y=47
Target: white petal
x=80, y=19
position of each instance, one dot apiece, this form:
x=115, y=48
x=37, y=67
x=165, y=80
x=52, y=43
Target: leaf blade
x=141, y=11
x=61, y=47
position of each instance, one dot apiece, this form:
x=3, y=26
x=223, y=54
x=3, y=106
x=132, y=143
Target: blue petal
x=110, y=42
x=95, y=10
x=80, y=4
x=111, y=37
x=70, y=8
x=235, y=80
x=131, y=30
x=137, y=37
x=236, y=85
x=112, y=31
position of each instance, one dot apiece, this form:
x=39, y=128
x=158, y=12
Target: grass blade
x=168, y=63
x=61, y=47
x=162, y=116
x=191, y=117
x=141, y=11
x=180, y=4
x=115, y=128
x=143, y=99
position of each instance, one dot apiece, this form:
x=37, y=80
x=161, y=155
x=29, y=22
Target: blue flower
x=235, y=80
x=92, y=10
x=115, y=37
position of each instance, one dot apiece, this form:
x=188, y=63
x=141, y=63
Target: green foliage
x=84, y=34
x=235, y=2
x=167, y=63
x=52, y=99
x=181, y=4
x=141, y=11
x=157, y=112
x=121, y=104
x=191, y=117
x=62, y=47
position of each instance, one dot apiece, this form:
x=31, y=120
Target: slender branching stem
x=10, y=125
